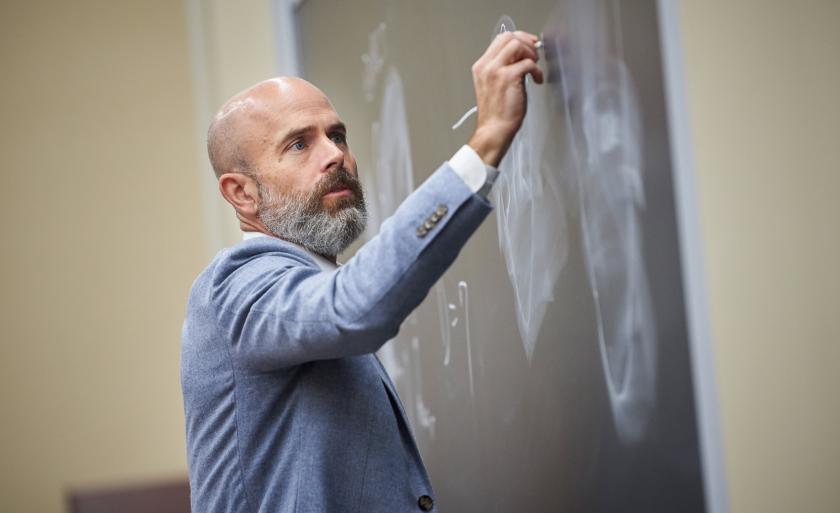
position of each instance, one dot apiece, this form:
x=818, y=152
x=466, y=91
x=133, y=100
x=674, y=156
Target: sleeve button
x=426, y=503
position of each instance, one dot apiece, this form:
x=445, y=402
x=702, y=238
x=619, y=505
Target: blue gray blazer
x=287, y=409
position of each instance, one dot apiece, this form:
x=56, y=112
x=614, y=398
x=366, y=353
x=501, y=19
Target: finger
x=526, y=66
x=497, y=44
x=515, y=50
x=500, y=41
x=526, y=37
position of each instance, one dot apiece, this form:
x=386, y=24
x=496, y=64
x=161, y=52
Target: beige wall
x=99, y=212
x=110, y=211
x=231, y=48
x=763, y=83
x=102, y=237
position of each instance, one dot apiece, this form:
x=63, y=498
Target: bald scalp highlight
x=225, y=149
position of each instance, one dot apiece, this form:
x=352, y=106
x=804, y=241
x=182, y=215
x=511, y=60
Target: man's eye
x=339, y=138
x=298, y=146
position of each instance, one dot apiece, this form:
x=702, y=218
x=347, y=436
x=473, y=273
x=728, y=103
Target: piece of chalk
x=465, y=117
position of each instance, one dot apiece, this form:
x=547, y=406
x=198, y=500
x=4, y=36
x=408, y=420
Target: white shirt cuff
x=468, y=165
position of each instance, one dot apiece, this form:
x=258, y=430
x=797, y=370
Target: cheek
x=306, y=185
x=280, y=186
x=287, y=176
x=350, y=164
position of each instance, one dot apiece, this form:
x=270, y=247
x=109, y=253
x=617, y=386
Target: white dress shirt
x=478, y=176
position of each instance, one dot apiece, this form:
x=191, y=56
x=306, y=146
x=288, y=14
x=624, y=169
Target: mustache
x=337, y=180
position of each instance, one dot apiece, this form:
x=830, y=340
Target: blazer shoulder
x=243, y=267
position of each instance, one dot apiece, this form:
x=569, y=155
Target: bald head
x=280, y=153
x=245, y=123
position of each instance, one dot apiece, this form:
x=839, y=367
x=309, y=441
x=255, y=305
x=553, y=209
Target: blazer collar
x=322, y=262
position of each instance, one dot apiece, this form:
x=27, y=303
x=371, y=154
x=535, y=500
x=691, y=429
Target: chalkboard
x=551, y=368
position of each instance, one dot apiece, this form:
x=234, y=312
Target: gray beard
x=300, y=219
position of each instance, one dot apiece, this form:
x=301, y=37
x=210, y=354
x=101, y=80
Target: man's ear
x=241, y=192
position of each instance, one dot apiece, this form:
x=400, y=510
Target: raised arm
x=279, y=310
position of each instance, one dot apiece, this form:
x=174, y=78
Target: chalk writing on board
x=450, y=316
x=444, y=306
x=505, y=24
x=532, y=224
x=373, y=60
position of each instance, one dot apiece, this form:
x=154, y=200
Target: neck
x=247, y=225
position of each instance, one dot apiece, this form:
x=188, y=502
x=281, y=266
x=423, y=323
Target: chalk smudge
x=391, y=183
x=424, y=416
x=532, y=228
x=393, y=180
x=606, y=141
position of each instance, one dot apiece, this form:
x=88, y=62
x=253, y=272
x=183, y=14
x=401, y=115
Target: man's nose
x=333, y=155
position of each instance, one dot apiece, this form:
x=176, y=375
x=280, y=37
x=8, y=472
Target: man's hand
x=499, y=77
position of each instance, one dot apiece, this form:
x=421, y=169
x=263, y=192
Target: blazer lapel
x=389, y=386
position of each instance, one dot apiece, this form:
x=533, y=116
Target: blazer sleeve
x=278, y=309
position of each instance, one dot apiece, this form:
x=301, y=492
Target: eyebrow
x=298, y=132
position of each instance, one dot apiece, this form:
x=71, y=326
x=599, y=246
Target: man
x=287, y=408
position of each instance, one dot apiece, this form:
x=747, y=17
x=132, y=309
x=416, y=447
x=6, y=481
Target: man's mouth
x=338, y=192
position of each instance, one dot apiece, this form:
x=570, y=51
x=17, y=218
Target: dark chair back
x=168, y=497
